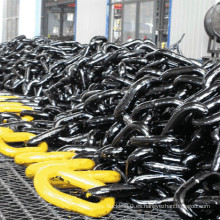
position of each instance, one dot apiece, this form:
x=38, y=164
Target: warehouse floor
x=19, y=200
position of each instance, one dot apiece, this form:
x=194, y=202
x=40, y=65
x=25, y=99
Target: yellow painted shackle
x=36, y=157
x=5, y=97
x=73, y=164
x=13, y=107
x=79, y=179
x=9, y=136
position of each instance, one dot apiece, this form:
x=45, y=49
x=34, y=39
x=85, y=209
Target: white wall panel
x=1, y=20
x=29, y=18
x=187, y=16
x=91, y=19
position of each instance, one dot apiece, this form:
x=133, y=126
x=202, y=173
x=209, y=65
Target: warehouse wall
x=1, y=19
x=29, y=18
x=187, y=16
x=90, y=19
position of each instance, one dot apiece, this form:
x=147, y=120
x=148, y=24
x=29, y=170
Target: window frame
x=46, y=7
x=157, y=8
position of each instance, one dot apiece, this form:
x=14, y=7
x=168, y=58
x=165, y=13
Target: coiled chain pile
x=150, y=114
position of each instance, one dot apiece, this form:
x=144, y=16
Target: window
x=116, y=23
x=58, y=19
x=146, y=21
x=142, y=19
x=162, y=20
x=129, y=21
x=10, y=19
